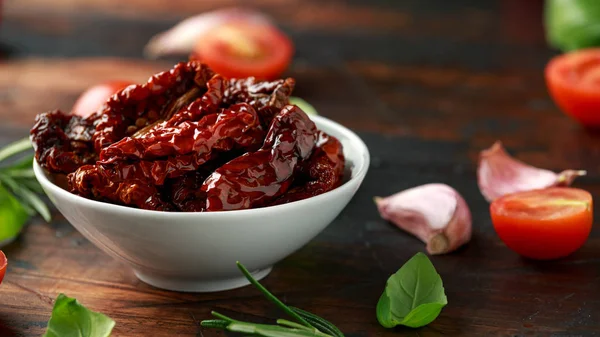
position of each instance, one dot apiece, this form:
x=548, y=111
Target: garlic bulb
x=182, y=38
x=435, y=213
x=499, y=174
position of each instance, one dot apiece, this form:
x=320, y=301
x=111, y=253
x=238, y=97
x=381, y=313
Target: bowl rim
x=358, y=175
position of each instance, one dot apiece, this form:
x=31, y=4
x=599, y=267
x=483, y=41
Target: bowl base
x=199, y=286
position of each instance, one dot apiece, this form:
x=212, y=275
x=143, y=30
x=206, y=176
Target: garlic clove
x=499, y=174
x=435, y=213
x=182, y=38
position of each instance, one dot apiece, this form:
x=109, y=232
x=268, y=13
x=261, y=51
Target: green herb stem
x=27, y=197
x=272, y=297
x=290, y=324
x=215, y=324
x=14, y=148
x=319, y=322
x=222, y=317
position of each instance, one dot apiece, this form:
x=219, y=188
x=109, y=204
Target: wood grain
x=427, y=85
x=32, y=86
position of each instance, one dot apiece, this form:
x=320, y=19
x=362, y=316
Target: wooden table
x=427, y=85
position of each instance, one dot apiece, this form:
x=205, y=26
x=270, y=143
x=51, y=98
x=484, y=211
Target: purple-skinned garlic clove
x=435, y=213
x=499, y=174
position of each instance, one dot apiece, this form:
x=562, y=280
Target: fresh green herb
x=304, y=105
x=13, y=216
x=70, y=318
x=414, y=296
x=572, y=24
x=306, y=325
x=19, y=190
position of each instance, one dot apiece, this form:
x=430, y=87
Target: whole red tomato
x=93, y=98
x=3, y=264
x=544, y=224
x=573, y=80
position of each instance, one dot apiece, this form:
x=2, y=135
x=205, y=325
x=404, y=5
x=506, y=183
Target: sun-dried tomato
x=321, y=173
x=268, y=98
x=190, y=140
x=63, y=142
x=185, y=148
x=258, y=177
x=139, y=106
x=90, y=181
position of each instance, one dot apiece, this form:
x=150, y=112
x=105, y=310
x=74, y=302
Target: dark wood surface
x=427, y=85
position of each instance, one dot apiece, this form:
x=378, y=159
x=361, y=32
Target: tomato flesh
x=573, y=80
x=93, y=98
x=244, y=49
x=3, y=264
x=544, y=224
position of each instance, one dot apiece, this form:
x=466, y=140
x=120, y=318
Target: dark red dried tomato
x=268, y=98
x=321, y=173
x=185, y=192
x=136, y=107
x=186, y=148
x=63, y=142
x=258, y=177
x=90, y=181
x=190, y=140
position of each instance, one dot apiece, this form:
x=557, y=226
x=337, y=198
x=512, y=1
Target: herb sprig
x=19, y=180
x=307, y=324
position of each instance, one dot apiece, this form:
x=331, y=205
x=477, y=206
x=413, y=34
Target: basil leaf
x=414, y=296
x=304, y=105
x=572, y=24
x=71, y=319
x=12, y=216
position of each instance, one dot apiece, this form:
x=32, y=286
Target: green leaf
x=71, y=319
x=572, y=24
x=27, y=197
x=304, y=105
x=414, y=296
x=12, y=215
x=423, y=315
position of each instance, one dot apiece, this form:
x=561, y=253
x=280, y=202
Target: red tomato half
x=3, y=264
x=93, y=98
x=573, y=80
x=244, y=49
x=544, y=224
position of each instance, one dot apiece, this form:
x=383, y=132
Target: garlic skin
x=182, y=38
x=435, y=213
x=499, y=174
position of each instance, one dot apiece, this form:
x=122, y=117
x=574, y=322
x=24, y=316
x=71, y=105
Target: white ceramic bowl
x=197, y=251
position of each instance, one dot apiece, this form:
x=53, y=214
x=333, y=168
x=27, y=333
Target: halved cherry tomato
x=544, y=224
x=3, y=264
x=93, y=98
x=244, y=49
x=573, y=80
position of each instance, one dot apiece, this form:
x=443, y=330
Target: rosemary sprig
x=307, y=324
x=19, y=180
